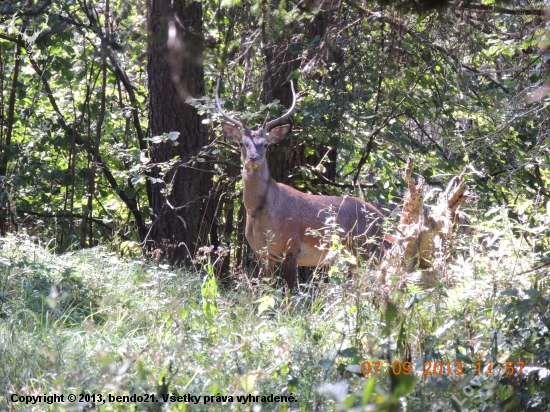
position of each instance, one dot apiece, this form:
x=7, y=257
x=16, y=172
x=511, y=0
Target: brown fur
x=278, y=216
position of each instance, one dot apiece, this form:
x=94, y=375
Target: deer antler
x=266, y=119
x=273, y=122
x=224, y=114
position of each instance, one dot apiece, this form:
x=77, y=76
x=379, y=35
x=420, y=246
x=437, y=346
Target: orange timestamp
x=489, y=368
x=440, y=368
x=406, y=368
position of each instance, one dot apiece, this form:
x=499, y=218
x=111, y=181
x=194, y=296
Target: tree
x=374, y=85
x=182, y=208
x=281, y=58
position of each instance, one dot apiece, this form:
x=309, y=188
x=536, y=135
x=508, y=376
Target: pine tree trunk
x=175, y=72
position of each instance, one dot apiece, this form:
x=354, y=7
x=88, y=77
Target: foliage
x=146, y=328
x=59, y=144
x=450, y=87
x=457, y=86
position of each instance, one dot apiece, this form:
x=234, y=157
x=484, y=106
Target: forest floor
x=94, y=325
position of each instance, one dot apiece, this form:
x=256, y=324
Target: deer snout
x=253, y=160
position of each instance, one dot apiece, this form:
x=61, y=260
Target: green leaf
x=230, y=3
x=58, y=174
x=348, y=352
x=265, y=303
x=391, y=313
x=129, y=192
x=402, y=385
x=522, y=207
x=17, y=181
x=368, y=389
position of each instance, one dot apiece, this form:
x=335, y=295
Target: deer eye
x=266, y=144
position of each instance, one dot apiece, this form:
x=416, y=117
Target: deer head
x=253, y=143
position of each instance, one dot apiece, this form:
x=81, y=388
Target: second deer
x=279, y=218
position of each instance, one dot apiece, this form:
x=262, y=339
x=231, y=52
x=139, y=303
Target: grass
x=130, y=327
x=89, y=322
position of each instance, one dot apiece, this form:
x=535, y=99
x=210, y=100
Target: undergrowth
x=89, y=322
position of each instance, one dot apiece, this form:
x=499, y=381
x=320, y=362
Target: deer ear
x=278, y=134
x=231, y=132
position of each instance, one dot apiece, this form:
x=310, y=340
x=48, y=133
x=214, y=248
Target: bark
x=287, y=157
x=7, y=142
x=182, y=209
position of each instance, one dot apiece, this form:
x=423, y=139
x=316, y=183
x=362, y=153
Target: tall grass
x=89, y=322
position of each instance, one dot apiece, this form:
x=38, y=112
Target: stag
x=282, y=223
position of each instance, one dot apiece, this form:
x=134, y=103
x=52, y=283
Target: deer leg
x=290, y=268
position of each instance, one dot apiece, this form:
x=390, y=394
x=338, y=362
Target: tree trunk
x=175, y=73
x=286, y=158
x=6, y=143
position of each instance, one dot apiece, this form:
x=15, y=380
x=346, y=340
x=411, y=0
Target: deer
x=282, y=223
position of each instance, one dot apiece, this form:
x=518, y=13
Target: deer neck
x=256, y=185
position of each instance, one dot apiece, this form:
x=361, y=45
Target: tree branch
x=402, y=27
x=12, y=9
x=329, y=182
x=486, y=8
x=385, y=122
x=130, y=203
x=106, y=48
x=425, y=133
x=54, y=215
x=15, y=40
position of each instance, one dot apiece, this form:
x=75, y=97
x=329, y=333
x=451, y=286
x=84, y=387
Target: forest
x=128, y=278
